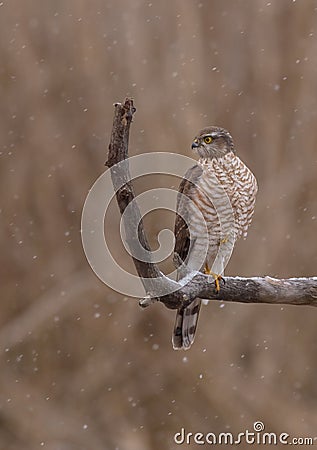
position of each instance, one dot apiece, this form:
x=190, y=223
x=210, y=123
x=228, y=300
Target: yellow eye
x=208, y=139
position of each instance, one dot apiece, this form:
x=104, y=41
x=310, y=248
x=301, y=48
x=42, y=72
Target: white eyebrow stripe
x=213, y=135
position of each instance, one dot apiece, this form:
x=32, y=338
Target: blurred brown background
x=81, y=366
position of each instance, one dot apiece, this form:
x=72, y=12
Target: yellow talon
x=217, y=277
x=217, y=284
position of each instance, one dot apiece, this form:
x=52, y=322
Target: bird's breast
x=223, y=198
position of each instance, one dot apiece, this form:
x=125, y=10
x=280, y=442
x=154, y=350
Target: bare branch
x=117, y=162
x=149, y=273
x=292, y=291
x=289, y=291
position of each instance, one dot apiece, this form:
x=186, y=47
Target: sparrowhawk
x=215, y=206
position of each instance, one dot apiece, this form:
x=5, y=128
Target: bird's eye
x=208, y=139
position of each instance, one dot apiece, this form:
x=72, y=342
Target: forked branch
x=291, y=291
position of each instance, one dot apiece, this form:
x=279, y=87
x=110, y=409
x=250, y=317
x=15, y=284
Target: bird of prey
x=215, y=205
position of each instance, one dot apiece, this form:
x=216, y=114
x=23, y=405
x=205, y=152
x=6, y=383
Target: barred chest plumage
x=224, y=194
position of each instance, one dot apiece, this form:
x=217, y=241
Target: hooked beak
x=195, y=144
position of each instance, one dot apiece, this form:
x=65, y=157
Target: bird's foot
x=223, y=240
x=216, y=277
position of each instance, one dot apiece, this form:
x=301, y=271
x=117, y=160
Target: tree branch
x=292, y=291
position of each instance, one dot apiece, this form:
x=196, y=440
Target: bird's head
x=213, y=142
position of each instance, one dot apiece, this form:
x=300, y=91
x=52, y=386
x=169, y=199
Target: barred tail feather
x=185, y=325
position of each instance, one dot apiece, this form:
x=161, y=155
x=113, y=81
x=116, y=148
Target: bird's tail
x=185, y=325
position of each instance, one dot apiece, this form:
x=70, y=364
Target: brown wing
x=186, y=318
x=181, y=232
